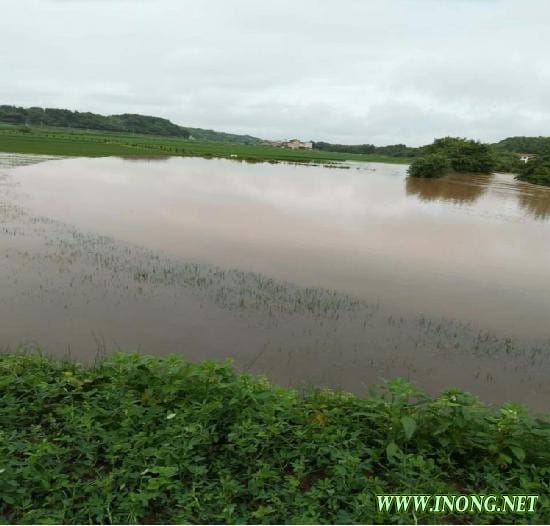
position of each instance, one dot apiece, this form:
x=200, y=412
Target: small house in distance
x=525, y=157
x=294, y=144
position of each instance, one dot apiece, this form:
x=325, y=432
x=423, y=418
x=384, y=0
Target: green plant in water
x=432, y=165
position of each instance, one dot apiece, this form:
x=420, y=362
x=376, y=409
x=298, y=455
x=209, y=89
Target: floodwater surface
x=341, y=277
x=470, y=247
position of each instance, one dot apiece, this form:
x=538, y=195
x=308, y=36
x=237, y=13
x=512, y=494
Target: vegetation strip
x=54, y=131
x=84, y=143
x=143, y=439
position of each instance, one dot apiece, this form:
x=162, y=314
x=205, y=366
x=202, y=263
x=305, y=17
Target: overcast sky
x=351, y=71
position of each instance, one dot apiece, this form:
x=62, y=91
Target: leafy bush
x=431, y=165
x=465, y=155
x=142, y=439
x=536, y=171
x=507, y=162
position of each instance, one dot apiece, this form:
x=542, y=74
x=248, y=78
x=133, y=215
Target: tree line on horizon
x=149, y=125
x=392, y=150
x=461, y=155
x=520, y=144
x=434, y=160
x=125, y=123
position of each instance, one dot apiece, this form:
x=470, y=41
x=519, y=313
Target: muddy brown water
x=309, y=274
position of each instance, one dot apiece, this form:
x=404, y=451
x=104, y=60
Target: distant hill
x=126, y=122
x=211, y=135
x=534, y=145
x=148, y=125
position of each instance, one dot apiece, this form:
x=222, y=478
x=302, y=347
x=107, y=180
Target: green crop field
x=82, y=143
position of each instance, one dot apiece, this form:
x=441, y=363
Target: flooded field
x=309, y=274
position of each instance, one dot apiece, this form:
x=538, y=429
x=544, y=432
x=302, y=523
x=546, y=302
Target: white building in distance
x=525, y=157
x=293, y=144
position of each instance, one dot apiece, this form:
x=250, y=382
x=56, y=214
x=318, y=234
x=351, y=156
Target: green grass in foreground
x=142, y=439
x=68, y=142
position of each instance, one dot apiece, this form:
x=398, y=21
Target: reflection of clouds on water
x=455, y=189
x=366, y=231
x=99, y=295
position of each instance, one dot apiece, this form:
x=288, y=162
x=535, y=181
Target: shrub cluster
x=452, y=153
x=430, y=165
x=142, y=439
x=536, y=171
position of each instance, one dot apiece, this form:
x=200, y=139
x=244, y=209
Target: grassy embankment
x=141, y=439
x=69, y=142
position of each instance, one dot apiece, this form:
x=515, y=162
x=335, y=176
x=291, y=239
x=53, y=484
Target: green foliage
x=430, y=165
x=345, y=148
x=465, y=155
x=127, y=122
x=536, y=171
x=397, y=150
x=137, y=439
x=453, y=153
x=211, y=135
x=73, y=119
x=506, y=162
x=533, y=145
x=392, y=150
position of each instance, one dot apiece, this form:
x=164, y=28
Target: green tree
x=465, y=155
x=507, y=162
x=431, y=165
x=536, y=171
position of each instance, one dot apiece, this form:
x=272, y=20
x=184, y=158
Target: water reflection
x=457, y=189
x=144, y=158
x=501, y=189
x=536, y=203
x=466, y=247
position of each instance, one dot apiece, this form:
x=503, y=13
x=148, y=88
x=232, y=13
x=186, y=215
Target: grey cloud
x=381, y=71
